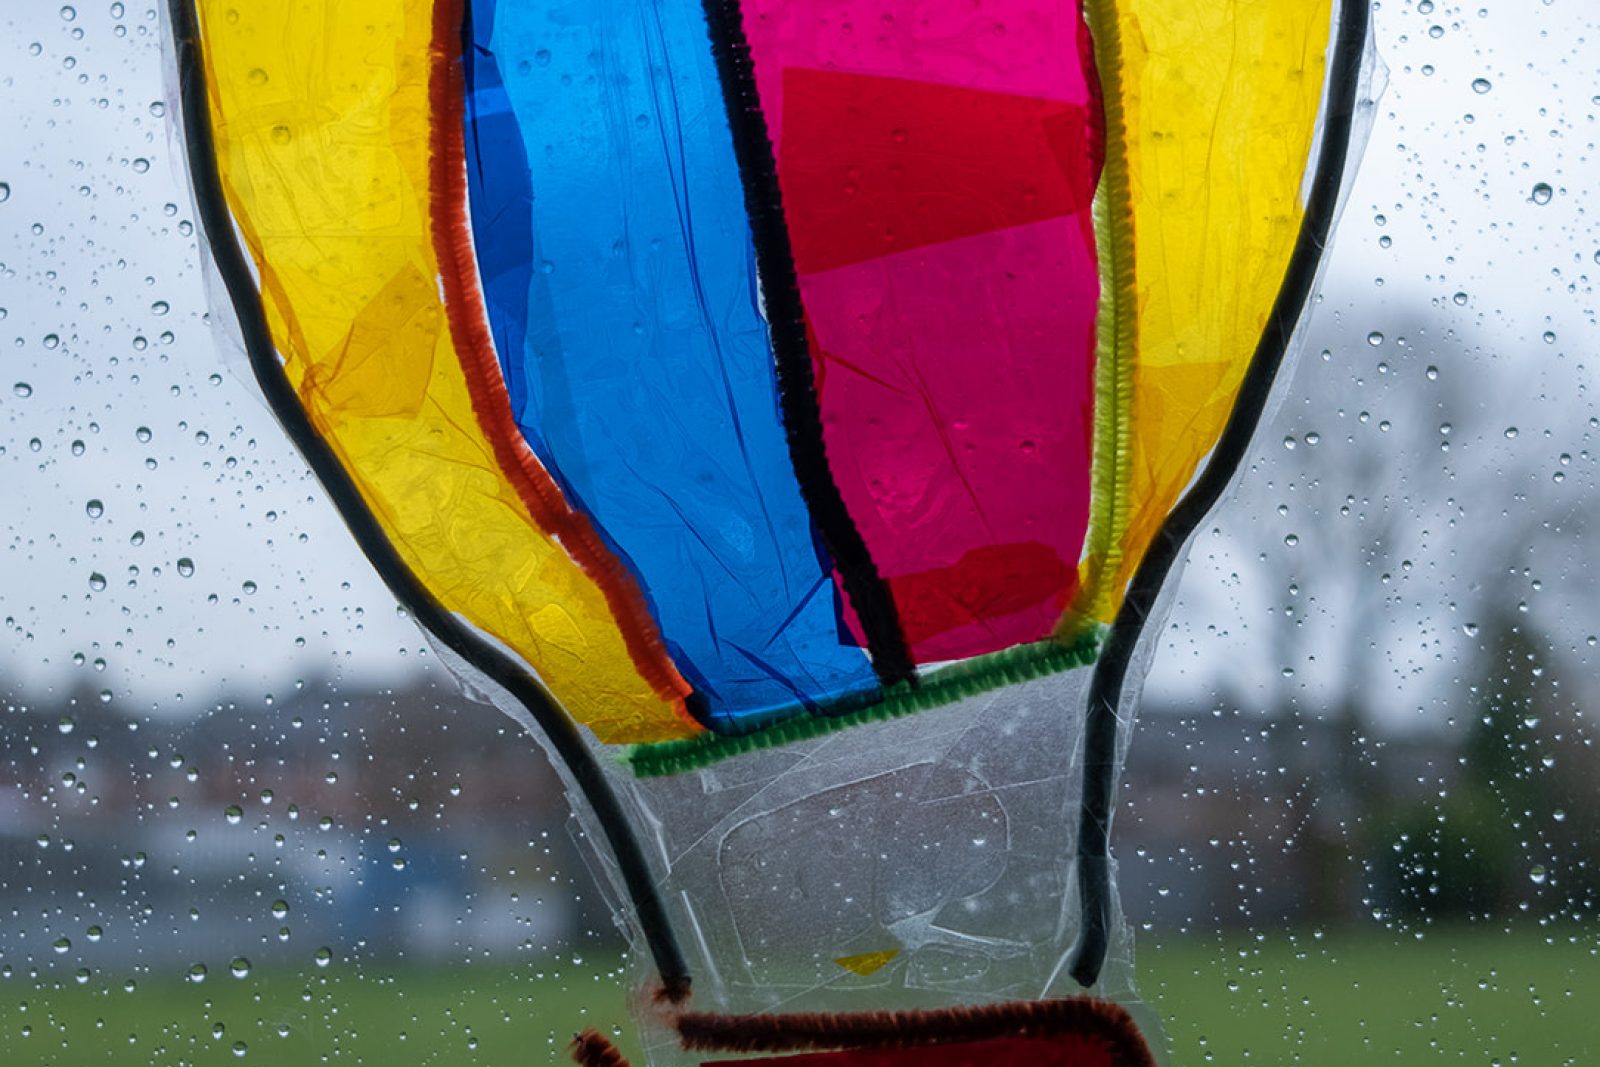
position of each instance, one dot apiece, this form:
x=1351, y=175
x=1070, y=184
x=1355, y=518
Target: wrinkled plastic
x=1218, y=107
x=905, y=864
x=320, y=117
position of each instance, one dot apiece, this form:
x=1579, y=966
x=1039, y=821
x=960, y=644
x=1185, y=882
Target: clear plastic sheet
x=912, y=863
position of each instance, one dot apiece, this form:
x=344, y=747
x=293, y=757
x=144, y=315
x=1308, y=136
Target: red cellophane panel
x=938, y=204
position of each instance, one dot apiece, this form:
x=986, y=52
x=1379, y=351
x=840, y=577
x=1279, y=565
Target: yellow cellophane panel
x=321, y=112
x=1218, y=108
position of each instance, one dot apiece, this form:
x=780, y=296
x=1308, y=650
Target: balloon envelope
x=747, y=370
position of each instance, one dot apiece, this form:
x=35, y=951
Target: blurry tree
x=1407, y=481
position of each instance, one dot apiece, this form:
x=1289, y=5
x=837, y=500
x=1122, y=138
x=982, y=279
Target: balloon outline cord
x=1105, y=689
x=791, y=347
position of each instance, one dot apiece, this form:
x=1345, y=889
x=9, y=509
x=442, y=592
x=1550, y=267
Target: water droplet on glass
x=1481, y=85
x=280, y=908
x=1537, y=874
x=197, y=973
x=1542, y=193
x=94, y=509
x=324, y=956
x=186, y=567
x=1375, y=338
x=22, y=389
x=143, y=435
x=97, y=581
x=233, y=813
x=240, y=967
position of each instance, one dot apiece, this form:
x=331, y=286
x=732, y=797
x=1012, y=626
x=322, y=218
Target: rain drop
x=1542, y=193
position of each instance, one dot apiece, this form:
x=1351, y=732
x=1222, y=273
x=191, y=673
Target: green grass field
x=1456, y=996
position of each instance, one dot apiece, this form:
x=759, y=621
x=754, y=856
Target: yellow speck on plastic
x=867, y=962
x=1211, y=109
x=321, y=113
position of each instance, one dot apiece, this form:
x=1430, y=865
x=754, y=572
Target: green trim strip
x=1116, y=345
x=944, y=686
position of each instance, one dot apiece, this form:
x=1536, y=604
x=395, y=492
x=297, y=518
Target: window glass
x=245, y=812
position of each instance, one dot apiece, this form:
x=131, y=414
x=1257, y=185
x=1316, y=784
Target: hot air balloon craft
x=790, y=410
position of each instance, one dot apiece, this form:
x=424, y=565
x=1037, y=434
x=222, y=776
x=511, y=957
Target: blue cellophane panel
x=619, y=276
